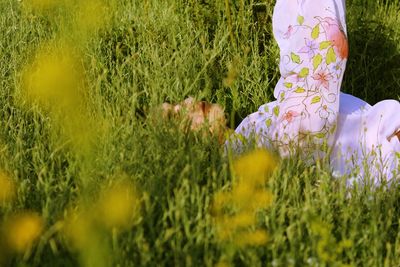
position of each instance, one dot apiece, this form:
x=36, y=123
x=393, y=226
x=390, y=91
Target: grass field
x=92, y=176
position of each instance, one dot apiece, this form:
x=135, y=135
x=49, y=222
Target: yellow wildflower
x=118, y=206
x=255, y=238
x=221, y=199
x=54, y=79
x=242, y=192
x=55, y=83
x=243, y=219
x=254, y=167
x=92, y=15
x=22, y=230
x=261, y=199
x=224, y=233
x=40, y=5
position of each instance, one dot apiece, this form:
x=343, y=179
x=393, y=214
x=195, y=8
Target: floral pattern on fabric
x=313, y=54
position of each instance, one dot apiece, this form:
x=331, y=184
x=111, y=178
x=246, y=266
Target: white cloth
x=310, y=111
x=363, y=145
x=311, y=35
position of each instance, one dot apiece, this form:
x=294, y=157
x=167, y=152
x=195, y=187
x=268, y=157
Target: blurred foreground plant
x=55, y=83
x=329, y=250
x=21, y=231
x=235, y=211
x=88, y=228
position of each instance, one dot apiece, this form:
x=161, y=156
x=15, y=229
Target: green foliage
x=167, y=50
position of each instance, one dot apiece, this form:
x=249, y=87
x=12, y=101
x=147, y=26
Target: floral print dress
x=311, y=35
x=307, y=115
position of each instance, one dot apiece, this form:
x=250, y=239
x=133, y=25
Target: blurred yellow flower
x=235, y=211
x=241, y=220
x=54, y=82
x=254, y=167
x=253, y=238
x=221, y=200
x=54, y=79
x=40, y=5
x=118, y=206
x=242, y=193
x=93, y=15
x=7, y=188
x=261, y=199
x=22, y=230
x=228, y=226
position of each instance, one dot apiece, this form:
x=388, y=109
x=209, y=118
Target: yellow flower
x=40, y=5
x=53, y=80
x=118, y=206
x=92, y=15
x=7, y=188
x=221, y=199
x=22, y=230
x=235, y=211
x=261, y=199
x=254, y=167
x=242, y=193
x=243, y=219
x=224, y=233
x=246, y=195
x=255, y=238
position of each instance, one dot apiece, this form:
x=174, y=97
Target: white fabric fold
x=310, y=111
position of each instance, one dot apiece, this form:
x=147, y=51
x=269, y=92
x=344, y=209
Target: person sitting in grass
x=311, y=116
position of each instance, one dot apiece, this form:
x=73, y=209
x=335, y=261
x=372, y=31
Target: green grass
x=167, y=50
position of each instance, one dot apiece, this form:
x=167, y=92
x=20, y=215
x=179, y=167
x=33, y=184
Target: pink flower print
x=289, y=32
x=336, y=35
x=290, y=115
x=323, y=77
x=310, y=48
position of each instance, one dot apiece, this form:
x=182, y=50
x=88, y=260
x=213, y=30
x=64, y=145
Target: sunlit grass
x=91, y=176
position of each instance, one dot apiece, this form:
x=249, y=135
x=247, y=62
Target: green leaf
x=315, y=32
x=295, y=58
x=300, y=90
x=276, y=111
x=333, y=129
x=317, y=61
x=288, y=85
x=304, y=72
x=316, y=99
x=320, y=135
x=300, y=20
x=268, y=122
x=330, y=56
x=324, y=45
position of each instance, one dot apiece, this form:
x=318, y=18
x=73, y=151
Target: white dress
x=310, y=112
